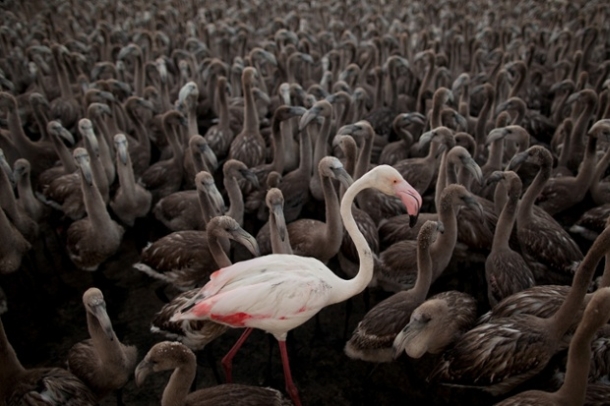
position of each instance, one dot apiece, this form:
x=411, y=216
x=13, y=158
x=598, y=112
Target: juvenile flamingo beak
x=410, y=198
x=278, y=212
x=142, y=371
x=308, y=117
x=413, y=220
x=209, y=155
x=180, y=314
x=247, y=240
x=100, y=313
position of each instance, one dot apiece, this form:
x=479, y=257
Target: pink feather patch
x=235, y=319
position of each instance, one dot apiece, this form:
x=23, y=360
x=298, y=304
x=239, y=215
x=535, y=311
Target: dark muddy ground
x=46, y=317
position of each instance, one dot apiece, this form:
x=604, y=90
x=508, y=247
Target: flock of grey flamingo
x=439, y=171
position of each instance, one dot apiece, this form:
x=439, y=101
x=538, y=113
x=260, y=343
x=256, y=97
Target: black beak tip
x=187, y=308
x=412, y=220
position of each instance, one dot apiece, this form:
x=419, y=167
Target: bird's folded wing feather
x=266, y=297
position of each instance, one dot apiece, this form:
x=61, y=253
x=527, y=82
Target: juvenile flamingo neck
x=99, y=174
x=96, y=208
x=574, y=388
x=26, y=196
x=139, y=75
x=126, y=178
x=464, y=105
x=424, y=84
x=514, y=91
x=393, y=88
x=378, y=91
x=173, y=139
x=165, y=99
x=305, y=159
x=217, y=245
x=8, y=202
x=431, y=157
x=140, y=131
x=261, y=83
x=605, y=281
x=223, y=111
x=333, y=232
x=65, y=156
x=277, y=245
x=236, y=201
x=479, y=130
x=564, y=155
x=362, y=166
x=22, y=141
x=441, y=180
x=437, y=107
x=442, y=249
x=600, y=168
x=494, y=159
x=205, y=204
x=320, y=149
x=41, y=121
x=506, y=222
x=561, y=321
x=350, y=150
x=251, y=122
x=558, y=113
x=578, y=131
x=193, y=129
x=364, y=158
x=529, y=197
x=211, y=91
x=105, y=150
x=62, y=78
x=279, y=159
x=10, y=366
x=345, y=113
x=424, y=272
x=177, y=389
x=587, y=169
x=109, y=349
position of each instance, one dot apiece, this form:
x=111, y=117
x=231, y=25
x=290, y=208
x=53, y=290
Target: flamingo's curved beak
x=410, y=198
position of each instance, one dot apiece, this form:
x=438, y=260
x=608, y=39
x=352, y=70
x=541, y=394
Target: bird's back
x=231, y=394
x=275, y=293
x=242, y=272
x=51, y=386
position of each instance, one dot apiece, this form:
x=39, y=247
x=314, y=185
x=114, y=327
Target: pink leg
x=290, y=388
x=227, y=360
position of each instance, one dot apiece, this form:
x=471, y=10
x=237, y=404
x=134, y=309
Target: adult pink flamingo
x=279, y=292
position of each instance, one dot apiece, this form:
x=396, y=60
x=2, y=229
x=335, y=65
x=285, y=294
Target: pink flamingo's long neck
x=357, y=284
